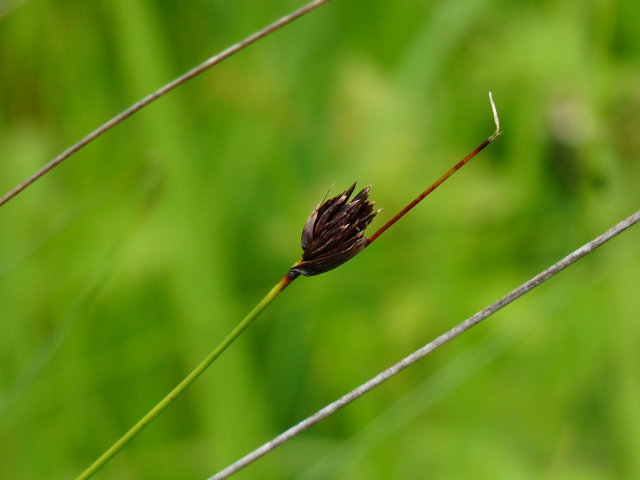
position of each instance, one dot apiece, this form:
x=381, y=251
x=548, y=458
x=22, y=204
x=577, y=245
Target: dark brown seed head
x=334, y=232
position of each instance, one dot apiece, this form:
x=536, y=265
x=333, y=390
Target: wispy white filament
x=496, y=118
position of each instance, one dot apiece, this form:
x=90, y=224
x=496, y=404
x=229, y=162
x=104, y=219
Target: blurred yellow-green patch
x=122, y=268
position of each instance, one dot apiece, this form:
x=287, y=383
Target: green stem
x=166, y=401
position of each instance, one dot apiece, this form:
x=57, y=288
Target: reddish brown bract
x=334, y=232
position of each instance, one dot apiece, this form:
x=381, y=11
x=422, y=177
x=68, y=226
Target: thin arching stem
x=446, y=175
x=207, y=64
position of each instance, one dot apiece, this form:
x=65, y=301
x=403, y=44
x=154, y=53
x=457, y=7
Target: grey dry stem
x=427, y=349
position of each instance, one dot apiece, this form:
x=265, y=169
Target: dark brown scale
x=334, y=233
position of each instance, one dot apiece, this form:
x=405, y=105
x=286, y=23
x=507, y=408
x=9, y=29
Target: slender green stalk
x=181, y=387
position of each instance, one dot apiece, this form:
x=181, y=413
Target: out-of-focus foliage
x=121, y=269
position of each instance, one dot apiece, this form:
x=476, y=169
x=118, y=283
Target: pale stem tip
x=496, y=118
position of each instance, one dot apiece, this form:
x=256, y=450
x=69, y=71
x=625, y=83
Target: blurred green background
x=121, y=269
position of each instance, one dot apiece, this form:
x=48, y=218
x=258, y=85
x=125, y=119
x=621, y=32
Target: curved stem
x=195, y=71
x=188, y=380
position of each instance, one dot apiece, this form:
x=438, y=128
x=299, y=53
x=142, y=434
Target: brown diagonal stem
x=430, y=189
x=446, y=175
